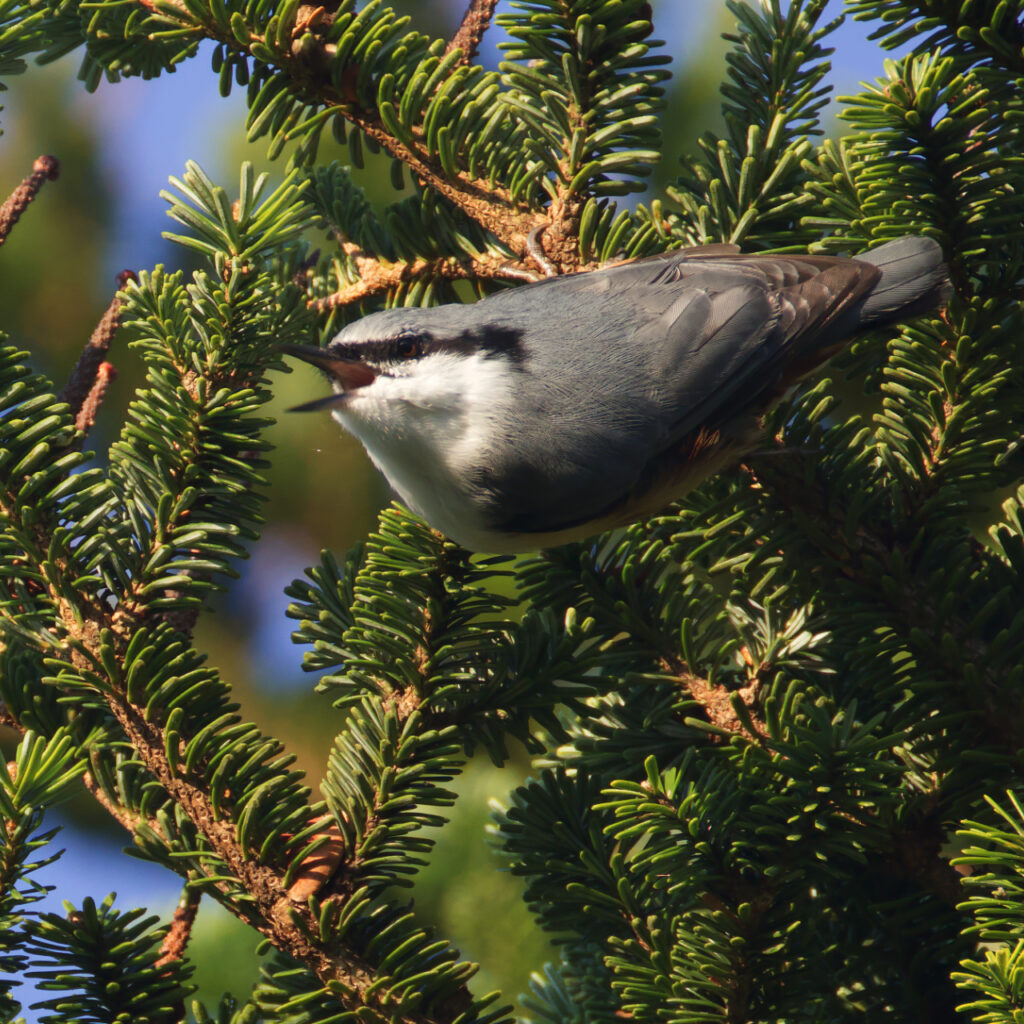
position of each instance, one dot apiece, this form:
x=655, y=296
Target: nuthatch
x=552, y=411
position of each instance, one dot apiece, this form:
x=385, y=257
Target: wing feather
x=690, y=341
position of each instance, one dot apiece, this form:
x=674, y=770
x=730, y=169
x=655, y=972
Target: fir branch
x=973, y=30
x=585, y=82
x=306, y=62
x=45, y=168
x=914, y=604
x=106, y=374
x=102, y=961
x=92, y=375
x=490, y=205
x=475, y=23
x=124, y=816
x=101, y=644
x=288, y=926
x=745, y=188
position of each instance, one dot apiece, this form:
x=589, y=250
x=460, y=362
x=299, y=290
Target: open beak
x=349, y=373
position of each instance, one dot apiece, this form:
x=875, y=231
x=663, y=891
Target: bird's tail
x=914, y=281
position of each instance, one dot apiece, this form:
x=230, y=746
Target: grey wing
x=760, y=324
x=626, y=362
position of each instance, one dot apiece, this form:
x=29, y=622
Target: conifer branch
x=475, y=23
x=128, y=819
x=97, y=636
x=106, y=374
x=271, y=912
x=992, y=30
x=491, y=206
x=125, y=817
x=858, y=745
x=488, y=203
x=916, y=605
x=45, y=168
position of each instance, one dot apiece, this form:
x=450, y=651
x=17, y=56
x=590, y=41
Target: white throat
x=426, y=426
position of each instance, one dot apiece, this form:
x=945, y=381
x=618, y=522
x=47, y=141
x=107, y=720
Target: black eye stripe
x=386, y=350
x=491, y=340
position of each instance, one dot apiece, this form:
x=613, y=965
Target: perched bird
x=551, y=411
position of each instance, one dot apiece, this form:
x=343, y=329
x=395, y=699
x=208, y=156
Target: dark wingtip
x=915, y=280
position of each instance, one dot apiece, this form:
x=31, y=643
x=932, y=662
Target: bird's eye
x=409, y=347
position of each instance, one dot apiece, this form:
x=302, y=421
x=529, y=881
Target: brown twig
x=377, y=277
x=45, y=168
x=535, y=250
x=106, y=374
x=475, y=23
x=176, y=940
x=92, y=375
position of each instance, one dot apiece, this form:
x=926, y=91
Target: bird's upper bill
x=351, y=374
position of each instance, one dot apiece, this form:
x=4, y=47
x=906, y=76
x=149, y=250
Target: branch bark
x=176, y=940
x=377, y=277
x=475, y=23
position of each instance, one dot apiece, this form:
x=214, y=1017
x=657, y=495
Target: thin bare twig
x=176, y=940
x=92, y=375
x=45, y=168
x=106, y=374
x=475, y=23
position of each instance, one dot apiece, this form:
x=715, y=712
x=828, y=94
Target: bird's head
x=394, y=371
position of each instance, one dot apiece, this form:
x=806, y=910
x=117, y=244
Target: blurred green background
x=117, y=148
